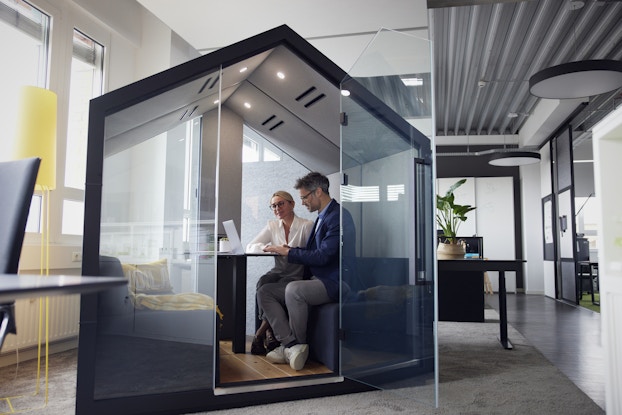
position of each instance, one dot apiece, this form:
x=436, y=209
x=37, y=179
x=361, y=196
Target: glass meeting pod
x=161, y=166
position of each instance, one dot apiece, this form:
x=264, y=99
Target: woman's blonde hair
x=282, y=194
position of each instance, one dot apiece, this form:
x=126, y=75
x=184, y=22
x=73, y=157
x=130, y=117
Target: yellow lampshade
x=36, y=132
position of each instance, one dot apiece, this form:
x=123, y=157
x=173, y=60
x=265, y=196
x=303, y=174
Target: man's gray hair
x=313, y=181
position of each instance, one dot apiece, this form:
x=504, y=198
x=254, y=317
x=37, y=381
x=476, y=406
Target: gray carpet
x=477, y=376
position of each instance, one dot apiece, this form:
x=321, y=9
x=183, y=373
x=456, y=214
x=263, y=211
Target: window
x=250, y=150
x=24, y=31
x=73, y=217
x=351, y=193
x=86, y=83
x=256, y=148
x=587, y=219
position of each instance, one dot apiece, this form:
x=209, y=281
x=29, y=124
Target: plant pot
x=450, y=251
x=224, y=246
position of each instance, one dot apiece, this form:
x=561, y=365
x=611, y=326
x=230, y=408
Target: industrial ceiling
x=484, y=53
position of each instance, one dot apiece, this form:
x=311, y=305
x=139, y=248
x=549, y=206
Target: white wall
x=493, y=218
x=532, y=229
x=607, y=154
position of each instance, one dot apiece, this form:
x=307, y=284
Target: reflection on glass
x=156, y=335
x=388, y=315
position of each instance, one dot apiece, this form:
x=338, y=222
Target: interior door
x=563, y=187
x=388, y=302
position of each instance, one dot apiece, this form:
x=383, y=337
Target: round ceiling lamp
x=514, y=158
x=577, y=79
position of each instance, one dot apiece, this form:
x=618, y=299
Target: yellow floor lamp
x=36, y=137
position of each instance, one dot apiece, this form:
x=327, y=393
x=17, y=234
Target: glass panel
x=157, y=334
x=587, y=224
x=388, y=316
x=257, y=191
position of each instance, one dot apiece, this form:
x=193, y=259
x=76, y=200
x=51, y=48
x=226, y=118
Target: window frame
x=59, y=62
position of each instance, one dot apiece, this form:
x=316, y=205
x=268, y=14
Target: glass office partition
x=387, y=314
x=157, y=229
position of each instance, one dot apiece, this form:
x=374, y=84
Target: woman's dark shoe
x=271, y=342
x=257, y=347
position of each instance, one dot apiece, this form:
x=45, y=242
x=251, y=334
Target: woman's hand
x=277, y=249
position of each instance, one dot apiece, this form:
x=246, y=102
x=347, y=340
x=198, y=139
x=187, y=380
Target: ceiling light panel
x=284, y=129
x=303, y=92
x=514, y=159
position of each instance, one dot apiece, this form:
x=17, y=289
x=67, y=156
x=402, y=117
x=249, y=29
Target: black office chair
x=17, y=184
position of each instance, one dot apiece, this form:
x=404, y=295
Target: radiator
x=64, y=321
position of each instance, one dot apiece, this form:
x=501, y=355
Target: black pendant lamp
x=577, y=79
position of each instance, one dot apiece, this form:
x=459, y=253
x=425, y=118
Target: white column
x=607, y=141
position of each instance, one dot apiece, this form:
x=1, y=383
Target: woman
x=287, y=229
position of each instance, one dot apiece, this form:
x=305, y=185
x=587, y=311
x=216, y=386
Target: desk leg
x=592, y=285
x=503, y=314
x=6, y=321
x=238, y=343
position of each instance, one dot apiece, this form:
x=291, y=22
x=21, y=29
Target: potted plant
x=224, y=245
x=449, y=217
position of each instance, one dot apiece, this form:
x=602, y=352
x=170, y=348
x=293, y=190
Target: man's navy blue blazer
x=321, y=255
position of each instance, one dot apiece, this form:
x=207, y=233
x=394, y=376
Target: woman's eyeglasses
x=276, y=205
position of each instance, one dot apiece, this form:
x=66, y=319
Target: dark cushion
x=115, y=301
x=374, y=312
x=323, y=335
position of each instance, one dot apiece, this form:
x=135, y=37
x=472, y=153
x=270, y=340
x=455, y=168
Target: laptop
x=234, y=237
x=234, y=240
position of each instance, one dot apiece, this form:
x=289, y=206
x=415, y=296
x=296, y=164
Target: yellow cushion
x=149, y=278
x=185, y=301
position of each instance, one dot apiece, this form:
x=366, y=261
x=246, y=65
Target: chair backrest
x=17, y=184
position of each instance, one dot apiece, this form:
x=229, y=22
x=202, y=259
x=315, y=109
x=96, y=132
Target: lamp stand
x=44, y=271
x=36, y=137
x=44, y=314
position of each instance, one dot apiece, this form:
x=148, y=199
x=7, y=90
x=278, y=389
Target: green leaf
x=449, y=215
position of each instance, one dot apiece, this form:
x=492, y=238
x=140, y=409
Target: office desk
x=231, y=297
x=448, y=267
x=13, y=287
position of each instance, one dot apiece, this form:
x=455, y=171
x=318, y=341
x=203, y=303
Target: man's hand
x=277, y=249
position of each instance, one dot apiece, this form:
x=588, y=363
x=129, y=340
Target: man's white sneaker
x=297, y=356
x=277, y=355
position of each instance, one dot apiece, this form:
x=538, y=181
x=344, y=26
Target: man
x=286, y=306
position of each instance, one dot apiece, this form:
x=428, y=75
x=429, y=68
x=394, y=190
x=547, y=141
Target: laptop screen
x=234, y=237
